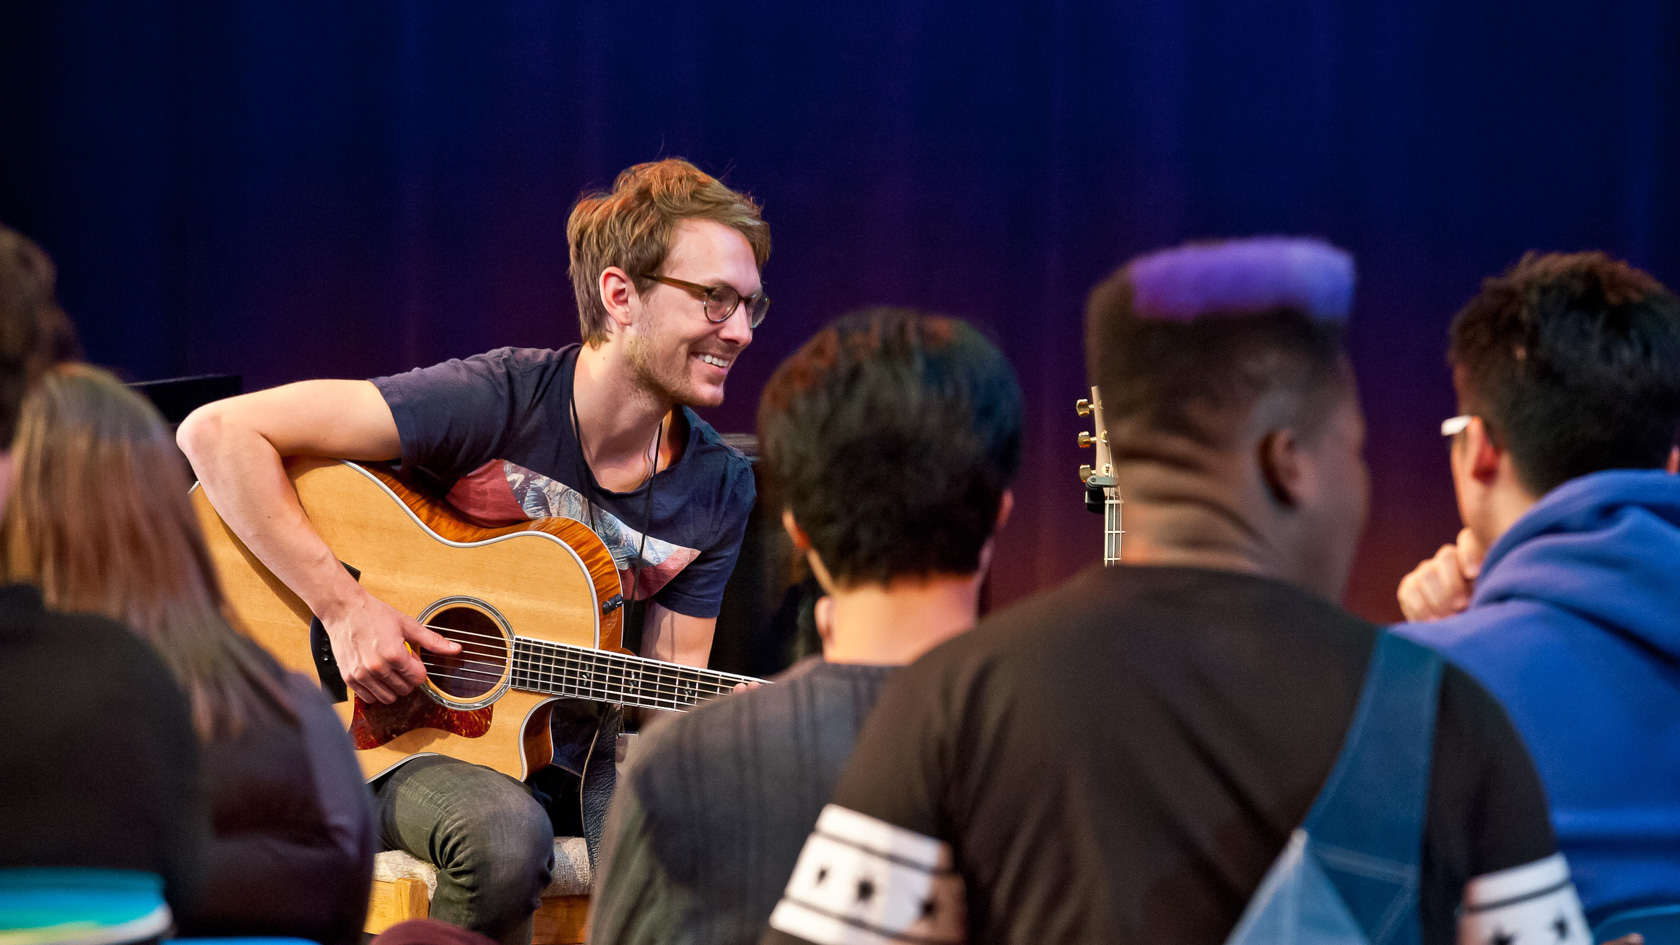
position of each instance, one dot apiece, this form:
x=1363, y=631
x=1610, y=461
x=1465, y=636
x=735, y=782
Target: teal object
x=82, y=906
x=1350, y=873
x=1659, y=924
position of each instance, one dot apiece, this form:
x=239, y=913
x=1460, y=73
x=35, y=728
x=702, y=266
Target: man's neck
x=617, y=417
x=893, y=624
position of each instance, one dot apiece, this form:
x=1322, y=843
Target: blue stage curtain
x=291, y=190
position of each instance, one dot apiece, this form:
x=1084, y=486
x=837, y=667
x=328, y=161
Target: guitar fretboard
x=1111, y=526
x=578, y=672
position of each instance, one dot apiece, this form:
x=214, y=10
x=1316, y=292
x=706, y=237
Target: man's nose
x=737, y=328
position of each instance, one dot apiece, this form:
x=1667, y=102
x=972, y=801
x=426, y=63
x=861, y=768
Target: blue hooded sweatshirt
x=1575, y=626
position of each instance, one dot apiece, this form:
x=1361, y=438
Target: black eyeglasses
x=720, y=301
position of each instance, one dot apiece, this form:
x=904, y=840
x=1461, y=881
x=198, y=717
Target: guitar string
x=659, y=665
x=674, y=700
x=618, y=668
x=588, y=672
x=622, y=674
x=605, y=686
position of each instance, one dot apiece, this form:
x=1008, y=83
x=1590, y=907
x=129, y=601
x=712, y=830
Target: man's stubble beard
x=641, y=352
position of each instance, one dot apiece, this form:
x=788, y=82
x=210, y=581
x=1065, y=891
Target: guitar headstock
x=1098, y=475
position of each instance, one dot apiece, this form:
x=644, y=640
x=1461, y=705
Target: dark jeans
x=492, y=843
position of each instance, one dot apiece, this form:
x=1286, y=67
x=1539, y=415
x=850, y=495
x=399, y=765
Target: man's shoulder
x=713, y=450
x=1481, y=633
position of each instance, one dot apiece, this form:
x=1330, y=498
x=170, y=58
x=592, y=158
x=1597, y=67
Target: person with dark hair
x=1120, y=759
x=289, y=810
x=1562, y=593
x=666, y=272
x=891, y=439
x=99, y=767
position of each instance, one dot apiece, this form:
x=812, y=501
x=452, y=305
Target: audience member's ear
x=1006, y=505
x=823, y=615
x=801, y=541
x=5, y=479
x=1674, y=461
x=1279, y=455
x=1481, y=452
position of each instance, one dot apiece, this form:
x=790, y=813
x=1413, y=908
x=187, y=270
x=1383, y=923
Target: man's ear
x=1279, y=456
x=617, y=293
x=802, y=545
x=1006, y=505
x=801, y=541
x=1480, y=451
x=1673, y=466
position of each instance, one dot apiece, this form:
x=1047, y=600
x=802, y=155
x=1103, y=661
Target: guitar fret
x=598, y=675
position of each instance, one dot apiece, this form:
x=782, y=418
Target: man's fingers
x=370, y=690
x=1449, y=592
x=1470, y=554
x=429, y=639
x=1435, y=588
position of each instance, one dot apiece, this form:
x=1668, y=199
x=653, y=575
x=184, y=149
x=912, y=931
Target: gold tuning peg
x=1084, y=438
x=1082, y=407
x=1084, y=473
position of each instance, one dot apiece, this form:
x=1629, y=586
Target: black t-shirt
x=1120, y=760
x=99, y=765
x=495, y=430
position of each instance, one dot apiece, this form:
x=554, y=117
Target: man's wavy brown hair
x=632, y=227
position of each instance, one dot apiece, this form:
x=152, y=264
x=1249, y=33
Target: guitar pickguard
x=374, y=724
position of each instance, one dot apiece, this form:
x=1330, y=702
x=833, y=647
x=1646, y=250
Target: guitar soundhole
x=478, y=668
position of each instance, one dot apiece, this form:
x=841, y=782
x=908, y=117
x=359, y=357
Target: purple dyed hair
x=1243, y=277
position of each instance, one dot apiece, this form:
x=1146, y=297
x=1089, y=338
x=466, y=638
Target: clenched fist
x=1441, y=586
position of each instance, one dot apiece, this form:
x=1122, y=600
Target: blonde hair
x=632, y=227
x=100, y=521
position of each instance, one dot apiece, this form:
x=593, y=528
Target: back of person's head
x=34, y=331
x=101, y=523
x=1202, y=354
x=1573, y=363
x=892, y=437
x=634, y=225
x=1187, y=341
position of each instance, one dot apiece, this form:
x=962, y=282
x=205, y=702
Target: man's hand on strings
x=371, y=642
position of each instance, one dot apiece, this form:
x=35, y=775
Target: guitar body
x=548, y=579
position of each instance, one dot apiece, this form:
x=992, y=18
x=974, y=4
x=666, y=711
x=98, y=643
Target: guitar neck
x=577, y=672
x=1111, y=526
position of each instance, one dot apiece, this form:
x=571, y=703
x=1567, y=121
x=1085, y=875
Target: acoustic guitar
x=536, y=608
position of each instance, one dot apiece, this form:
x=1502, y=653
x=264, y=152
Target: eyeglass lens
x=722, y=300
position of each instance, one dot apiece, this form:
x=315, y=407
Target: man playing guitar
x=666, y=272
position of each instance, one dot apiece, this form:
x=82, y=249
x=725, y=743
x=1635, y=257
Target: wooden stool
x=403, y=886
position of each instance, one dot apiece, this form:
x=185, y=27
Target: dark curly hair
x=34, y=331
x=892, y=436
x=1573, y=363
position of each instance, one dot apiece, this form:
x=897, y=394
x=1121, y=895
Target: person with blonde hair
x=665, y=268
x=84, y=695
x=101, y=524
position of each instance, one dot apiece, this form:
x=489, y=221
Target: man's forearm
x=245, y=480
x=677, y=638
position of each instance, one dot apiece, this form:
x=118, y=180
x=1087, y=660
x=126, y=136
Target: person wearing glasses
x=1562, y=592
x=665, y=268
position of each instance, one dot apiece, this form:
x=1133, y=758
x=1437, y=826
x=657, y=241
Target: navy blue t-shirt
x=495, y=431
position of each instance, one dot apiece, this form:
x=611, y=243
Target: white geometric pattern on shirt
x=863, y=881
x=1533, y=904
x=542, y=497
